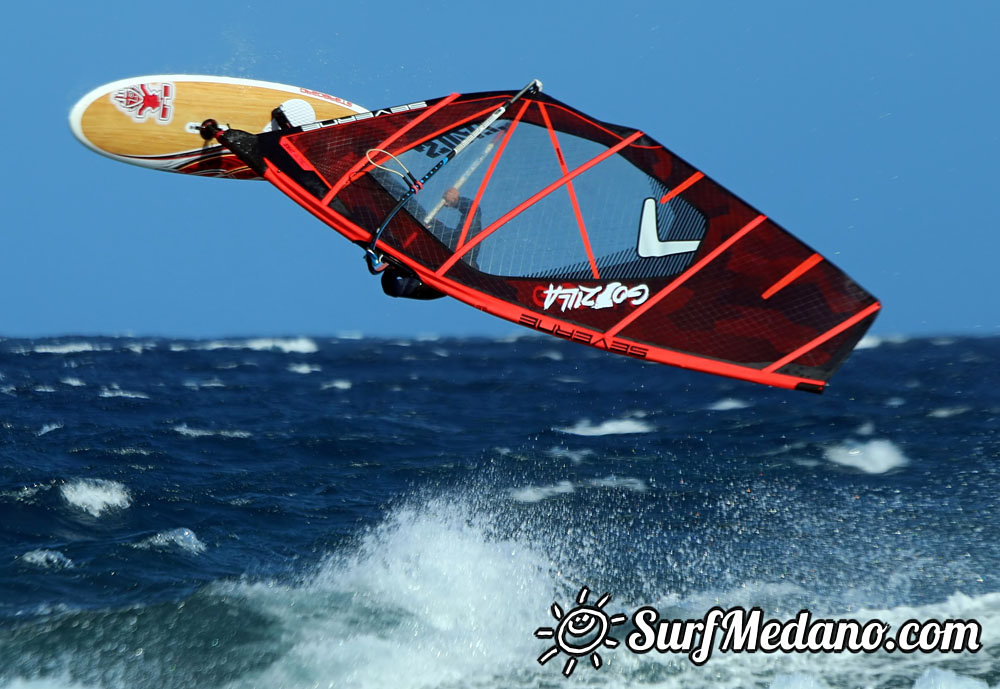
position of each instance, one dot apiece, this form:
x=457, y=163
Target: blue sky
x=868, y=129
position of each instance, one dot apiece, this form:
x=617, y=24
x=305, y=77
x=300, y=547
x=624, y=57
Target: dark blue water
x=369, y=513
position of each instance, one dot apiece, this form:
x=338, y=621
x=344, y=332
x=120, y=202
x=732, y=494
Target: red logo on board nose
x=144, y=100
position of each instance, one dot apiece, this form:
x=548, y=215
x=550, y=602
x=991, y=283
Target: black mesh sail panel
x=588, y=230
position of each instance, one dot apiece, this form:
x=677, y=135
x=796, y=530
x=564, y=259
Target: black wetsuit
x=399, y=282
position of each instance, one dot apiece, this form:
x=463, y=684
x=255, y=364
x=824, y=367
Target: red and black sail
x=587, y=230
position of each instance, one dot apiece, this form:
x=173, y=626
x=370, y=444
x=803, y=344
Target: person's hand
x=450, y=197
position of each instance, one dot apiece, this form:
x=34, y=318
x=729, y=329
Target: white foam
x=58, y=682
x=337, y=385
x=304, y=369
x=728, y=404
x=797, y=681
x=24, y=493
x=938, y=678
x=44, y=388
x=432, y=599
x=96, y=496
x=48, y=428
x=200, y=384
x=575, y=456
x=869, y=342
x=871, y=457
x=539, y=493
x=296, y=345
x=948, y=412
x=115, y=391
x=867, y=428
x=439, y=596
x=350, y=335
x=69, y=348
x=140, y=347
x=73, y=382
x=610, y=427
x=125, y=451
x=619, y=483
x=288, y=345
x=550, y=354
x=46, y=559
x=182, y=538
x=184, y=429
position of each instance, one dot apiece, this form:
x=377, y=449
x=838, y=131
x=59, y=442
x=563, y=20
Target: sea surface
x=320, y=512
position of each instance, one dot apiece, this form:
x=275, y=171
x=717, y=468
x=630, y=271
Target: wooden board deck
x=153, y=121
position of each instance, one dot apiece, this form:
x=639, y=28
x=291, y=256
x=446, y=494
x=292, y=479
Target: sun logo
x=580, y=632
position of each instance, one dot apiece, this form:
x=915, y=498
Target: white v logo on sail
x=650, y=244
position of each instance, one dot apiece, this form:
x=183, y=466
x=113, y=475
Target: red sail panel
x=588, y=230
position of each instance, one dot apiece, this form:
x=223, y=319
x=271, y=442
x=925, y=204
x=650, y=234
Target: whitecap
x=96, y=496
x=728, y=404
x=48, y=428
x=184, y=429
x=49, y=682
x=350, y=335
x=293, y=345
x=200, y=384
x=869, y=342
x=46, y=559
x=73, y=382
x=609, y=427
x=44, y=388
x=619, y=483
x=872, y=457
x=182, y=538
x=550, y=354
x=948, y=412
x=939, y=678
x=24, y=493
x=337, y=385
x=125, y=451
x=115, y=391
x=69, y=348
x=797, y=681
x=304, y=369
x=575, y=456
x=867, y=428
x=539, y=493
x=438, y=591
x=297, y=345
x=140, y=347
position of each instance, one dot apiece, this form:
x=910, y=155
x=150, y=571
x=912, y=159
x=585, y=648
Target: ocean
x=337, y=512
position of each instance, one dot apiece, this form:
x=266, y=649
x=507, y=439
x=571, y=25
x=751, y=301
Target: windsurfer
x=398, y=281
x=463, y=204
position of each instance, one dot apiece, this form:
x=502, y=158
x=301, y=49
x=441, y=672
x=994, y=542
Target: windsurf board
x=153, y=121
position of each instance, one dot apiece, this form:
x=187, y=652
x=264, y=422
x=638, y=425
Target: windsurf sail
x=586, y=230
